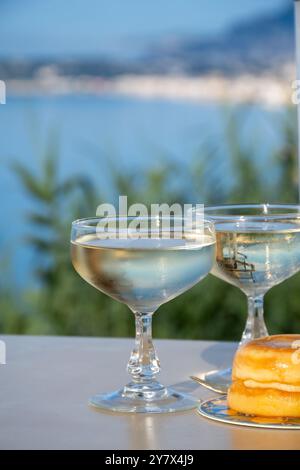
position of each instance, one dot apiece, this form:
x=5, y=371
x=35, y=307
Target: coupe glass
x=143, y=268
x=257, y=247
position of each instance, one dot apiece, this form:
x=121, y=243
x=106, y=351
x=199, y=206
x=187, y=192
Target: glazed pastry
x=266, y=377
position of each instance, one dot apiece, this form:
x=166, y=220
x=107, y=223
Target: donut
x=266, y=377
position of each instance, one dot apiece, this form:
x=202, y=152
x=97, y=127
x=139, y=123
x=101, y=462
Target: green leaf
x=41, y=219
x=32, y=184
x=40, y=244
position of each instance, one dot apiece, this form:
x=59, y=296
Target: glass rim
x=277, y=211
x=84, y=222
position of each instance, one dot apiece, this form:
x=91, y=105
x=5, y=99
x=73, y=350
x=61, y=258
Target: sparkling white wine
x=256, y=256
x=142, y=273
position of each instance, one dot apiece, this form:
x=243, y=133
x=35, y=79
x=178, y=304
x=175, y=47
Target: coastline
x=267, y=88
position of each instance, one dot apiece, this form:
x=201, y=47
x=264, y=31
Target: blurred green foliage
x=63, y=304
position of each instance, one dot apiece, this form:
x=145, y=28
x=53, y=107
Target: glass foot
x=126, y=400
x=217, y=380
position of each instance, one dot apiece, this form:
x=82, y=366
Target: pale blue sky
x=80, y=27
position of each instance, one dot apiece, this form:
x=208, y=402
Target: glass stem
x=143, y=364
x=255, y=325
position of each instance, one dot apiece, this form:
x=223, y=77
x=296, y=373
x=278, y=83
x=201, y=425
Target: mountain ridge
x=259, y=45
x=253, y=45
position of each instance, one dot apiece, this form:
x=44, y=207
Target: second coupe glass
x=257, y=247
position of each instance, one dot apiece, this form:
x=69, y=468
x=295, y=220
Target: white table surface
x=45, y=385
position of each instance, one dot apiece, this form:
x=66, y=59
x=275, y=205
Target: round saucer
x=217, y=410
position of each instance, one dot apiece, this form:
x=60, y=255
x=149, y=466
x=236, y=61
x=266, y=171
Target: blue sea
x=93, y=131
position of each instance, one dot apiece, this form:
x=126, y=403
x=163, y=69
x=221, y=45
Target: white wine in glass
x=255, y=258
x=143, y=273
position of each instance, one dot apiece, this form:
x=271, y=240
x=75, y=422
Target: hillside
x=257, y=45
